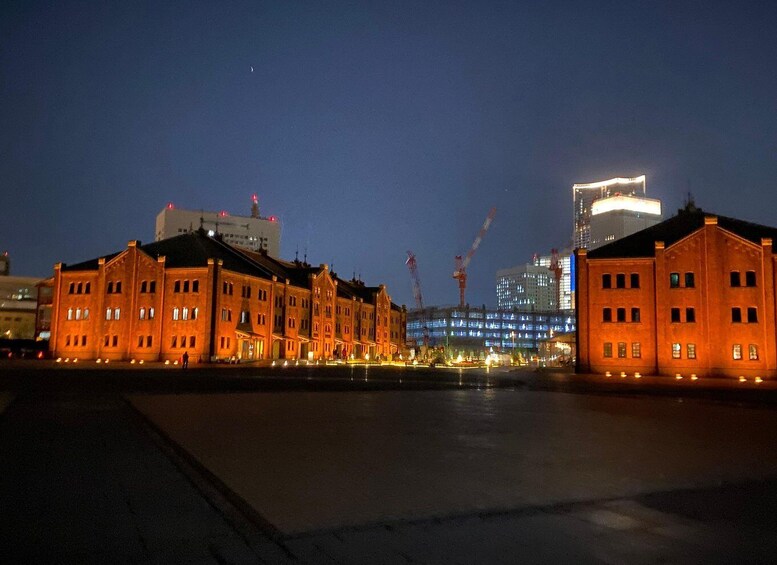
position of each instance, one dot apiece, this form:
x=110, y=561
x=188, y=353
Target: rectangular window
x=608, y=349
x=88, y=288
x=186, y=285
x=183, y=341
x=67, y=340
x=675, y=315
x=118, y=287
x=636, y=349
x=175, y=342
x=184, y=313
x=752, y=352
x=607, y=281
x=750, y=278
x=71, y=288
x=736, y=352
x=152, y=286
x=634, y=280
x=140, y=341
x=736, y=315
x=690, y=315
x=107, y=341
x=691, y=350
x=191, y=341
x=752, y=315
x=689, y=280
x=110, y=288
x=177, y=286
x=150, y=313
x=621, y=314
x=148, y=341
x=142, y=314
x=620, y=280
x=223, y=315
x=175, y=313
x=735, y=279
x=635, y=317
x=144, y=287
x=195, y=286
x=676, y=350
x=116, y=313
x=115, y=341
x=674, y=280
x=607, y=315
x=622, y=349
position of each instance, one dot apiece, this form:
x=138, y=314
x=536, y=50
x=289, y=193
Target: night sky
x=373, y=128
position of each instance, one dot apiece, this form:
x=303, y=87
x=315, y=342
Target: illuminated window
x=108, y=313
x=752, y=315
x=736, y=315
x=753, y=352
x=607, y=315
x=676, y=350
x=690, y=315
x=184, y=313
x=691, y=350
x=737, y=351
x=70, y=314
x=735, y=279
x=176, y=313
x=622, y=349
x=750, y=278
x=634, y=280
x=86, y=313
x=116, y=313
x=636, y=349
x=674, y=280
x=675, y=315
x=142, y=314
x=621, y=314
x=195, y=311
x=150, y=313
x=608, y=349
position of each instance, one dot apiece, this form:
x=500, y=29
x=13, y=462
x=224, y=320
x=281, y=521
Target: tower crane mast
x=460, y=273
x=412, y=266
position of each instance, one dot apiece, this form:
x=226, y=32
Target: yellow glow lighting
x=637, y=376
x=99, y=360
x=59, y=359
x=627, y=203
x=617, y=180
x=742, y=379
x=678, y=376
x=694, y=377
x=623, y=374
x=608, y=374
x=758, y=380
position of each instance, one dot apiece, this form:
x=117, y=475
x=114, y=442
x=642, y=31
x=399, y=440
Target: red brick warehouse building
x=194, y=293
x=694, y=294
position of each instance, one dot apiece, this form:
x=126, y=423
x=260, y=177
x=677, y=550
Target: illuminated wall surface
x=694, y=294
x=194, y=293
x=585, y=194
x=255, y=234
x=480, y=329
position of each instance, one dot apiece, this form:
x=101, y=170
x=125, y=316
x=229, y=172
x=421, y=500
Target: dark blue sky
x=374, y=128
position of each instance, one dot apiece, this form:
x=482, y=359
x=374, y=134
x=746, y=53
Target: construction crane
x=460, y=273
x=555, y=268
x=412, y=265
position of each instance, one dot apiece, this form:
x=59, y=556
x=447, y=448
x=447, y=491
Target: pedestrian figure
x=185, y=359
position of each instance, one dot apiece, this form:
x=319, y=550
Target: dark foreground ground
x=85, y=477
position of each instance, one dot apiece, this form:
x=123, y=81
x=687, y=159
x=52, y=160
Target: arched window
x=175, y=313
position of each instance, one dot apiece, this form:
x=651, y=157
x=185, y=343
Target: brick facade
x=195, y=294
x=693, y=295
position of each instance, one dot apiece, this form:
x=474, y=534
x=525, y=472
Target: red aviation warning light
x=170, y=206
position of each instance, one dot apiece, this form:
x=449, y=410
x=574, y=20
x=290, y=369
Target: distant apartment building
x=254, y=232
x=585, y=194
x=474, y=332
x=533, y=286
x=18, y=307
x=619, y=216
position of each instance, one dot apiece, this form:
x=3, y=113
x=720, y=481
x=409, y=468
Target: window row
x=113, y=313
x=146, y=313
x=185, y=286
x=145, y=341
x=636, y=349
x=690, y=315
x=752, y=352
x=620, y=280
x=185, y=313
x=111, y=341
x=114, y=287
x=180, y=342
x=80, y=288
x=75, y=341
x=147, y=287
x=752, y=315
x=690, y=350
x=735, y=279
x=620, y=315
x=689, y=279
x=77, y=314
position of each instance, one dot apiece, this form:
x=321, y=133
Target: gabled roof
x=687, y=221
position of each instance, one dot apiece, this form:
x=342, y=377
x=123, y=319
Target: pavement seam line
x=243, y=518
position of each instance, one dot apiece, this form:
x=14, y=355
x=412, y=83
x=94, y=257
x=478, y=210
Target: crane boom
x=460, y=273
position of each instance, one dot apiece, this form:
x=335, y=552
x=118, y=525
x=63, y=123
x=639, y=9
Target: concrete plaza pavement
x=360, y=475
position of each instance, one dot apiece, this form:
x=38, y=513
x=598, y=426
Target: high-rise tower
x=584, y=195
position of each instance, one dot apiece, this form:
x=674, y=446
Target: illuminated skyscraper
x=584, y=195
